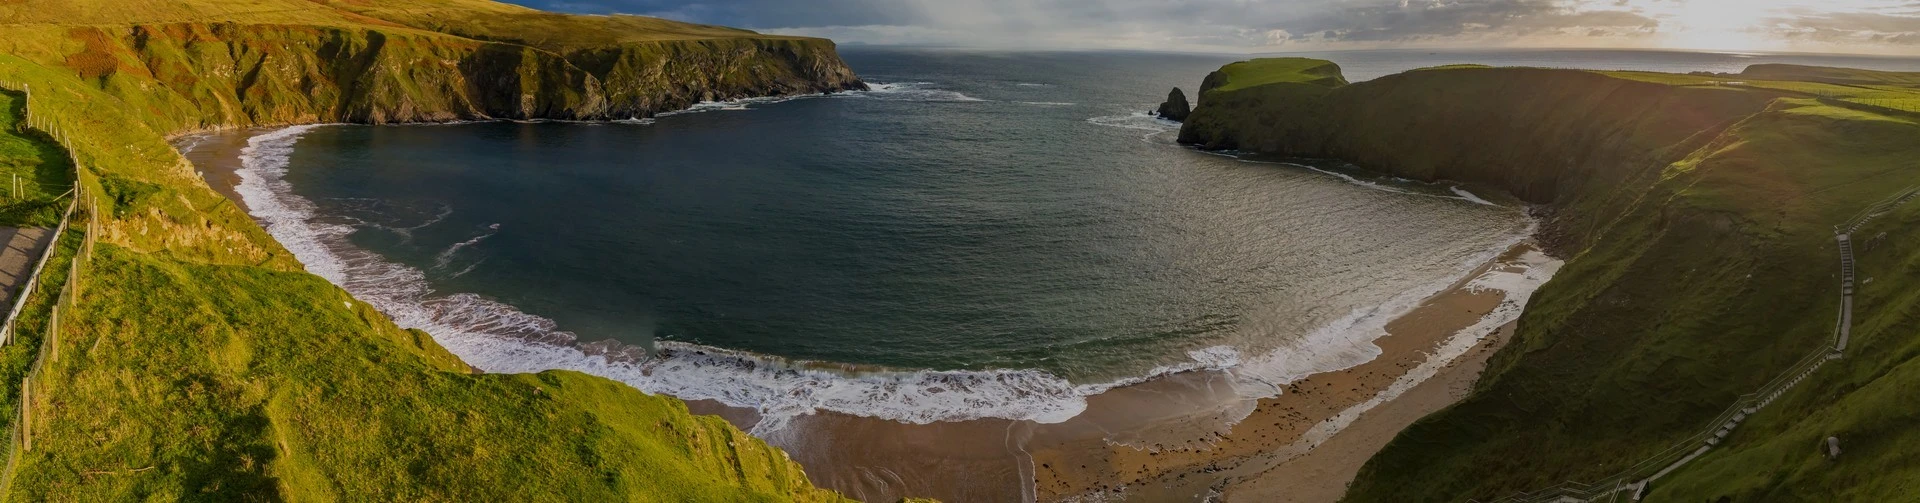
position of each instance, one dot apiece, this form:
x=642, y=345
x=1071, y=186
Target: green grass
x=34, y=171
x=1695, y=213
x=336, y=403
x=1264, y=71
x=202, y=362
x=1864, y=400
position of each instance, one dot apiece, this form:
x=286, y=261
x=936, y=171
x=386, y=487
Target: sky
x=1252, y=26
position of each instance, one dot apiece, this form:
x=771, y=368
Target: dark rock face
x=1175, y=108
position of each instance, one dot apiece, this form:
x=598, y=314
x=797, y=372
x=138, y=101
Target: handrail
x=20, y=430
x=1637, y=476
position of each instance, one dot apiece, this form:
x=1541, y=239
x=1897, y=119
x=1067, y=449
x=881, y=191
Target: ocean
x=982, y=235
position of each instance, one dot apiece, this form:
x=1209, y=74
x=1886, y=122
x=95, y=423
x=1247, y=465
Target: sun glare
x=1735, y=25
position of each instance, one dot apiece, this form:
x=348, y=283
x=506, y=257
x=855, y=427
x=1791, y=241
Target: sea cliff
x=1696, y=214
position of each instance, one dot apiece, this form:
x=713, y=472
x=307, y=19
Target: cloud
x=1263, y=25
x=1848, y=27
x=1429, y=20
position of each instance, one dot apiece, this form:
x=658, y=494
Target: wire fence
x=83, y=206
x=23, y=188
x=1632, y=482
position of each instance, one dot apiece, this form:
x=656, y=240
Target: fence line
x=7, y=327
x=1634, y=480
x=32, y=388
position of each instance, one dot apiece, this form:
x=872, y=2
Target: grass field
x=1260, y=72
x=202, y=363
x=1695, y=212
x=34, y=171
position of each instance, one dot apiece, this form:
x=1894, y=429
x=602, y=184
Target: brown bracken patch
x=97, y=59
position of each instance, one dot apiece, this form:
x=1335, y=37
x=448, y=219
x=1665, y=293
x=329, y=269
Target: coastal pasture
x=1696, y=215
x=30, y=330
x=255, y=402
x=1248, y=74
x=1762, y=198
x=1864, y=400
x=203, y=363
x=33, y=169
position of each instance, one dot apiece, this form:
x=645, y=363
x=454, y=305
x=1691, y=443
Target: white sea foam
x=1047, y=103
x=496, y=337
x=897, y=91
x=728, y=105
x=1137, y=120
x=910, y=91
x=1031, y=84
x=446, y=256
x=1470, y=196
x=1518, y=280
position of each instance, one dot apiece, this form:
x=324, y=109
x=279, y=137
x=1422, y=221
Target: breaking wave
x=496, y=337
x=910, y=91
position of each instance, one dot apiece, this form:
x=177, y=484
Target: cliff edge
x=201, y=361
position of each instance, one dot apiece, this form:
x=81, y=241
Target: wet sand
x=1184, y=437
x=217, y=156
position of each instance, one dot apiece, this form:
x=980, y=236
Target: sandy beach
x=1181, y=437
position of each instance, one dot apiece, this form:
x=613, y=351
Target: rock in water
x=1176, y=107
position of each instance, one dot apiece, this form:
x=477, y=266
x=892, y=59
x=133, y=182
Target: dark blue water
x=985, y=234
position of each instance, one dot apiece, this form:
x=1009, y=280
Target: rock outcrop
x=1175, y=108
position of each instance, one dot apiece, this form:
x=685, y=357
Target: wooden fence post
x=26, y=413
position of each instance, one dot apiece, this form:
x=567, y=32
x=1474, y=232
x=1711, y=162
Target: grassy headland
x=201, y=362
x=1695, y=212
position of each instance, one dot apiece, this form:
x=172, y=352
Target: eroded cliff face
x=214, y=75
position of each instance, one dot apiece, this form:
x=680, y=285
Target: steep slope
x=460, y=59
x=1696, y=217
x=201, y=362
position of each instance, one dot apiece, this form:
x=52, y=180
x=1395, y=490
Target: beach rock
x=1175, y=108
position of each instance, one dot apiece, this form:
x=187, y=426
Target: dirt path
x=23, y=248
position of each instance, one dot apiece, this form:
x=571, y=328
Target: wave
x=496, y=337
x=897, y=91
x=1047, y=103
x=1518, y=280
x=1136, y=120
x=1031, y=84
x=1469, y=196
x=733, y=105
x=1139, y=121
x=446, y=256
x=910, y=91
x=1460, y=194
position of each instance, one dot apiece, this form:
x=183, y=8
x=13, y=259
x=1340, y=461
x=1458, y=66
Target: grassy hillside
x=1695, y=213
x=201, y=362
x=212, y=63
